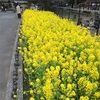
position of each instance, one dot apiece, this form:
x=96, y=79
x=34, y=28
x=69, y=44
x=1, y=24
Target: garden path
x=8, y=29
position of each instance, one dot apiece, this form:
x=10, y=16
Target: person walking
x=86, y=24
x=79, y=21
x=91, y=22
x=18, y=10
x=97, y=24
x=3, y=7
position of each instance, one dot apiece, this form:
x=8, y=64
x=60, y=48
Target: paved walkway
x=8, y=29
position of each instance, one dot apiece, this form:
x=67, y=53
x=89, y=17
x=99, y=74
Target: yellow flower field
x=61, y=60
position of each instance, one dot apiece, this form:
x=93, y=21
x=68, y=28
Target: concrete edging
x=9, y=87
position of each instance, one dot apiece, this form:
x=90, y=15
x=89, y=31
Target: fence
x=75, y=13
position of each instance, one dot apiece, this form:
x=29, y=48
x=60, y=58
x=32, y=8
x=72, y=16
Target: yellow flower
x=62, y=86
x=69, y=79
x=67, y=99
x=58, y=68
x=54, y=58
x=42, y=98
x=75, y=75
x=24, y=92
x=88, y=87
x=81, y=80
x=62, y=97
x=69, y=87
x=65, y=65
x=47, y=69
x=38, y=80
x=32, y=98
x=51, y=68
x=31, y=91
x=97, y=94
x=14, y=96
x=19, y=48
x=32, y=71
x=73, y=93
x=91, y=57
x=47, y=89
x=20, y=40
x=31, y=83
x=84, y=98
x=26, y=69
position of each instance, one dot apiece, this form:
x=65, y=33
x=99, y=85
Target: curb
x=9, y=87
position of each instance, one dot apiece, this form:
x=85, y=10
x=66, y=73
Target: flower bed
x=61, y=60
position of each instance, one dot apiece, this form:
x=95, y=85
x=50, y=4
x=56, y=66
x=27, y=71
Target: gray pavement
x=8, y=30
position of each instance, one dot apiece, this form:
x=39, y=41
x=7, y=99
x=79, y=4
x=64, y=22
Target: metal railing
x=74, y=13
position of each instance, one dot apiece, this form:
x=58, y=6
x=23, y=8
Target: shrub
x=61, y=60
